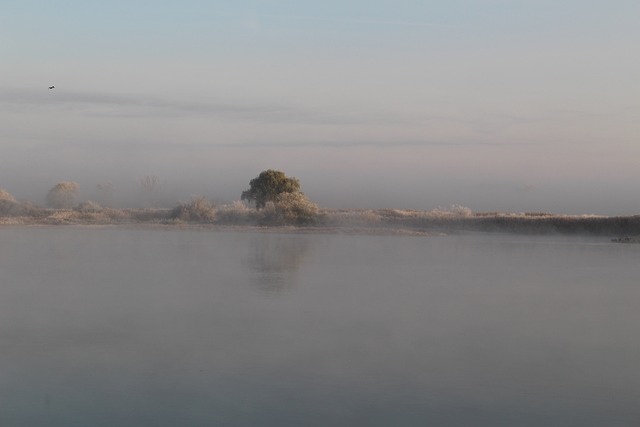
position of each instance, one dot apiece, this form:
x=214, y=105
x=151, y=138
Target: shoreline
x=620, y=229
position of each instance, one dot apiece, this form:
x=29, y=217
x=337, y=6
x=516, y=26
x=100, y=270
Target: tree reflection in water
x=275, y=261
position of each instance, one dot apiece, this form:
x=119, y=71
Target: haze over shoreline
x=370, y=221
x=496, y=105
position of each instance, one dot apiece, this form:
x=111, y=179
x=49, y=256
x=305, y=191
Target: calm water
x=184, y=328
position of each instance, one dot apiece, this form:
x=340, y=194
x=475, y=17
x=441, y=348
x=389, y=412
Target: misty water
x=142, y=327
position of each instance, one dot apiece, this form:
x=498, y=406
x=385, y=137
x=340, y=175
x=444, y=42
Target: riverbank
x=350, y=221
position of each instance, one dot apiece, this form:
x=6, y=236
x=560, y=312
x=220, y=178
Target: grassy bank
x=453, y=220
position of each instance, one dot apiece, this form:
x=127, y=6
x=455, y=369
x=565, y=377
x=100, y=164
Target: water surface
x=129, y=327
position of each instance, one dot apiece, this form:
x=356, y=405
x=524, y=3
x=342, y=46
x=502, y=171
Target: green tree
x=268, y=185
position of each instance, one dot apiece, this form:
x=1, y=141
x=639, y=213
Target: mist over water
x=504, y=107
x=151, y=327
x=463, y=110
x=356, y=177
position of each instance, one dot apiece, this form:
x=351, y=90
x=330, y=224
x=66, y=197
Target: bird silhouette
x=52, y=87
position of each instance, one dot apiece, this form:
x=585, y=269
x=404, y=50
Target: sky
x=496, y=105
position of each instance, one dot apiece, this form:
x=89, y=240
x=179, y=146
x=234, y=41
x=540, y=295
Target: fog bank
x=404, y=176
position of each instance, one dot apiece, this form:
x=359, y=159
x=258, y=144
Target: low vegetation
x=274, y=199
x=198, y=210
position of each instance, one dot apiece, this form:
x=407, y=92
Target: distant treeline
x=274, y=199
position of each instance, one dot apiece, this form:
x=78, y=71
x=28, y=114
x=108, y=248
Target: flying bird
x=52, y=87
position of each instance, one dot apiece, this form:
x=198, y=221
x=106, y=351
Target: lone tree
x=63, y=195
x=268, y=185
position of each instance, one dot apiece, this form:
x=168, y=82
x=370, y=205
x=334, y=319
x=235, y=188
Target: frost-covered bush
x=63, y=194
x=88, y=206
x=290, y=208
x=457, y=211
x=8, y=203
x=198, y=209
x=461, y=211
x=236, y=213
x=6, y=196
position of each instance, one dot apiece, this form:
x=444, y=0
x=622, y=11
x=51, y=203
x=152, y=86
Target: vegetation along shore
x=275, y=200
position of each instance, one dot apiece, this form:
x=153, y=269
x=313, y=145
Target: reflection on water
x=275, y=260
x=165, y=328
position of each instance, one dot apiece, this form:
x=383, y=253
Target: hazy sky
x=529, y=105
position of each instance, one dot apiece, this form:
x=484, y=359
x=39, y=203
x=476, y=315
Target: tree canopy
x=8, y=203
x=268, y=185
x=63, y=194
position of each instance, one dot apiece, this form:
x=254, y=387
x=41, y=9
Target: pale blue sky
x=496, y=104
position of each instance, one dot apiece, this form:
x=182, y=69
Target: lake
x=145, y=327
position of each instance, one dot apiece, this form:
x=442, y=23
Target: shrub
x=199, y=209
x=236, y=213
x=63, y=195
x=290, y=208
x=6, y=196
x=8, y=203
x=454, y=211
x=88, y=206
